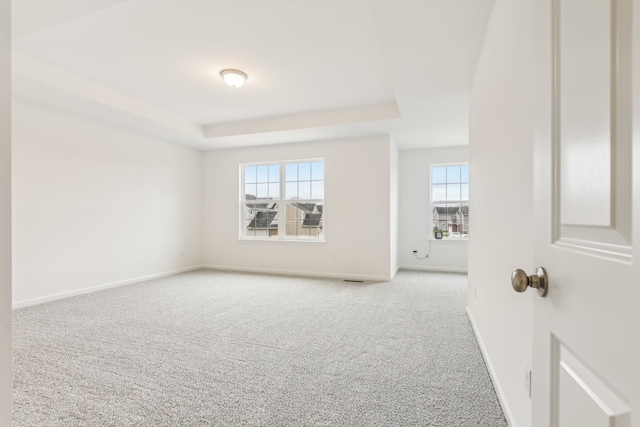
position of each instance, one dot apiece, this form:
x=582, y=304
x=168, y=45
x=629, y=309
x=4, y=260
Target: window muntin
x=450, y=200
x=302, y=185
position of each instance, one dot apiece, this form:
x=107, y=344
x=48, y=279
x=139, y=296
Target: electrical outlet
x=527, y=380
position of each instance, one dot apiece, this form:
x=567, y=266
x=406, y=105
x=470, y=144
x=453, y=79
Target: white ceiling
x=317, y=70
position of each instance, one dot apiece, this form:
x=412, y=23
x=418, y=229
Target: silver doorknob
x=520, y=281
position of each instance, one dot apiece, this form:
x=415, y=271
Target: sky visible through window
x=262, y=181
x=450, y=183
x=303, y=181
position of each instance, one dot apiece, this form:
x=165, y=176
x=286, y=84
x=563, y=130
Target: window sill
x=456, y=240
x=280, y=241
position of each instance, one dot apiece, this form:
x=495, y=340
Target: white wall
x=415, y=212
x=95, y=206
x=394, y=203
x=357, y=209
x=502, y=201
x=6, y=378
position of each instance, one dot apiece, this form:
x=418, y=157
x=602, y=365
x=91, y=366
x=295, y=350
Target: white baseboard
x=496, y=385
x=61, y=295
x=300, y=273
x=440, y=269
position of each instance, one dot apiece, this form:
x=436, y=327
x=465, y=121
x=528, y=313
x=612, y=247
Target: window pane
x=439, y=175
x=317, y=189
x=263, y=191
x=453, y=191
x=464, y=170
x=274, y=191
x=439, y=192
x=292, y=190
x=304, y=220
x=446, y=216
x=317, y=171
x=249, y=174
x=292, y=228
x=291, y=172
x=454, y=220
x=250, y=191
x=263, y=221
x=304, y=171
x=293, y=215
x=304, y=189
x=464, y=210
x=465, y=192
x=440, y=216
x=263, y=173
x=274, y=173
x=453, y=174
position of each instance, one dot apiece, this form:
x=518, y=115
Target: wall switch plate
x=527, y=380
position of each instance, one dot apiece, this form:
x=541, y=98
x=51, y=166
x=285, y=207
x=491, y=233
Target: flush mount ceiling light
x=234, y=78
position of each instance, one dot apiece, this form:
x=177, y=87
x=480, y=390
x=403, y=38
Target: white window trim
x=432, y=202
x=282, y=237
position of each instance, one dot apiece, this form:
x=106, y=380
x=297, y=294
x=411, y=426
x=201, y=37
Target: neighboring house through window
x=450, y=199
x=282, y=200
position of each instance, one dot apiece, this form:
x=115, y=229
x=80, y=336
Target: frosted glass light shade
x=233, y=78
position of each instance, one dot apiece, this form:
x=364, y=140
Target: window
x=283, y=200
x=450, y=200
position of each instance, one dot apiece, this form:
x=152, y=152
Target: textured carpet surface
x=211, y=348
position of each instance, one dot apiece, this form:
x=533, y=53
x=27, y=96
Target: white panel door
x=586, y=361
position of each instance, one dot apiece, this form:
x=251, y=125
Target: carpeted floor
x=211, y=348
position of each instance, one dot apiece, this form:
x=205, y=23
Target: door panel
x=591, y=125
x=584, y=399
x=583, y=42
x=587, y=132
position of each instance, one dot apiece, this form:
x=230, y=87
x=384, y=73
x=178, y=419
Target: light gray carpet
x=211, y=348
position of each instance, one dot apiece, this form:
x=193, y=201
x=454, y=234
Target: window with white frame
x=282, y=200
x=450, y=200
